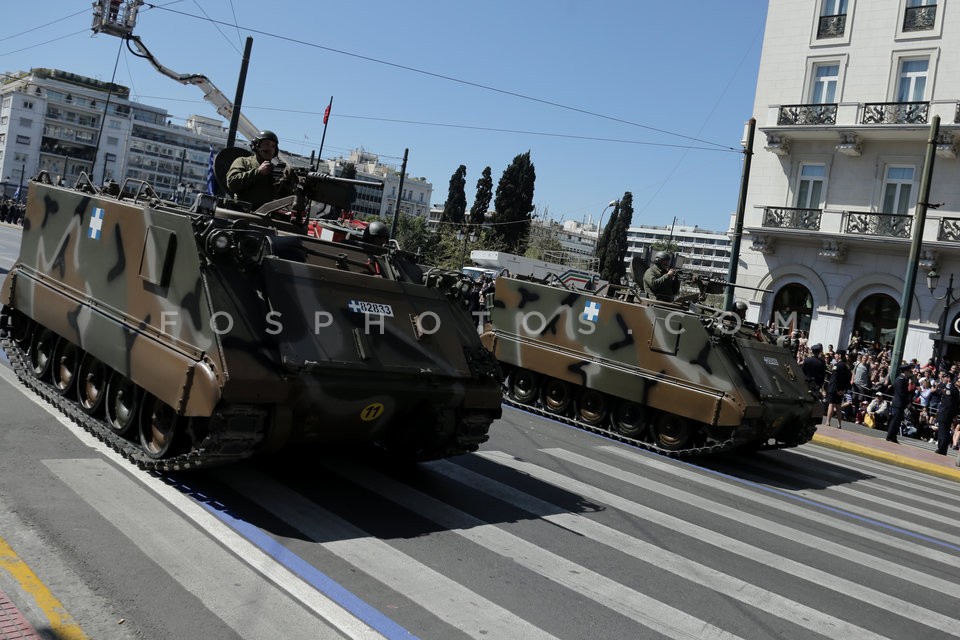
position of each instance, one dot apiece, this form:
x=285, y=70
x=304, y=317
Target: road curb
x=950, y=473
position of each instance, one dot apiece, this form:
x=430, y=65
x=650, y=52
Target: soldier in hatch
x=660, y=281
x=260, y=178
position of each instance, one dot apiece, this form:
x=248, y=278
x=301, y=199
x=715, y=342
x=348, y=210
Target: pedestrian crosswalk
x=601, y=541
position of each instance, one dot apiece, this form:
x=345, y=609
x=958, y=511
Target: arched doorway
x=876, y=319
x=793, y=308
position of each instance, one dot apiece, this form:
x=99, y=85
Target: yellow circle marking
x=371, y=411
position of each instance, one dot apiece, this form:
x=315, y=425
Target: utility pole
x=396, y=211
x=910, y=279
x=738, y=225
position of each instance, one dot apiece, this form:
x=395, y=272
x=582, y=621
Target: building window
x=27, y=104
x=920, y=15
x=825, y=79
x=810, y=186
x=912, y=80
x=26, y=123
x=112, y=141
x=4, y=120
x=876, y=319
x=897, y=190
x=6, y=102
x=833, y=19
x=23, y=139
x=793, y=308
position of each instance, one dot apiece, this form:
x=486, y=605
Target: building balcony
x=851, y=123
x=920, y=18
x=840, y=230
x=831, y=26
x=791, y=218
x=896, y=112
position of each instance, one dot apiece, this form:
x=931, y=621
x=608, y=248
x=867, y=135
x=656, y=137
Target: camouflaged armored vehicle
x=665, y=376
x=185, y=337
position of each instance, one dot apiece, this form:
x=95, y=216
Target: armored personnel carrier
x=185, y=337
x=678, y=379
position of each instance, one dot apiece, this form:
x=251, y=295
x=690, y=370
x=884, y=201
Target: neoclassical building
x=846, y=93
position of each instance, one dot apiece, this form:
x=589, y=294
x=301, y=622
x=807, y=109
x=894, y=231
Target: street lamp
x=933, y=278
x=464, y=234
x=596, y=244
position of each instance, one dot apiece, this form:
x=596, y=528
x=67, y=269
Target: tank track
x=222, y=447
x=692, y=452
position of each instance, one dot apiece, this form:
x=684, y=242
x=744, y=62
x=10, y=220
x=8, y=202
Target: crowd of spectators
x=11, y=211
x=856, y=386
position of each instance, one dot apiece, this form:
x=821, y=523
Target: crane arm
x=210, y=92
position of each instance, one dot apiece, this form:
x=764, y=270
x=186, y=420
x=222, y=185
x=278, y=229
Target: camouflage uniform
x=249, y=185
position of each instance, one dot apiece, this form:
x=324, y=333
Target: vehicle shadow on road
x=371, y=495
x=786, y=469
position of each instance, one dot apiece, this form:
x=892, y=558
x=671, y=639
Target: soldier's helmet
x=266, y=134
x=376, y=233
x=661, y=256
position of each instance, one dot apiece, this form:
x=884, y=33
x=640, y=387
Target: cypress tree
x=514, y=203
x=456, y=204
x=482, y=200
x=614, y=267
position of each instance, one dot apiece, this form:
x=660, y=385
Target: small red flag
x=326, y=112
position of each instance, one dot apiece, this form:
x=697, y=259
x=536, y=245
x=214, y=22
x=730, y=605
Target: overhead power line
x=448, y=78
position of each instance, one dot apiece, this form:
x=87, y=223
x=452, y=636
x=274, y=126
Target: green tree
x=614, y=267
x=603, y=240
x=349, y=171
x=481, y=201
x=456, y=204
x=514, y=203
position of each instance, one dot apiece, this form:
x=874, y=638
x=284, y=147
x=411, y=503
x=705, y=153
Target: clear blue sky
x=611, y=96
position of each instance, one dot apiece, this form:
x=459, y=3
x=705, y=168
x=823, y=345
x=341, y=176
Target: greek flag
x=211, y=181
x=16, y=196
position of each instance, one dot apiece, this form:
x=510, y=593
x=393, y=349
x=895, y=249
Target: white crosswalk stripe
x=817, y=621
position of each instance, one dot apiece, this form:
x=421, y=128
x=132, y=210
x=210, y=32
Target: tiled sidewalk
x=13, y=625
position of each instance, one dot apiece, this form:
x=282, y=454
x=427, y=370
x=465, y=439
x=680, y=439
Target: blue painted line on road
x=320, y=581
x=765, y=488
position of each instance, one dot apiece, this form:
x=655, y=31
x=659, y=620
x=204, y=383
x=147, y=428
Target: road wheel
x=21, y=327
x=556, y=396
x=673, y=432
x=524, y=385
x=91, y=384
x=41, y=352
x=630, y=418
x=66, y=360
x=158, y=427
x=123, y=400
x=592, y=407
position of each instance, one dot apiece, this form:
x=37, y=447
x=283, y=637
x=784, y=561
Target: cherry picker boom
x=119, y=18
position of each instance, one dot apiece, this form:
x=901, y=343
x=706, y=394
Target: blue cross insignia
x=591, y=311
x=96, y=222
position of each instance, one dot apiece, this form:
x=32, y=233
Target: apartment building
x=68, y=125
x=846, y=94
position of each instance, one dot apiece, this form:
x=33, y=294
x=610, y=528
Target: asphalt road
x=547, y=532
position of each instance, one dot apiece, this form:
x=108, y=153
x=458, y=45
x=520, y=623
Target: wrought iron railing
x=890, y=225
x=807, y=114
x=920, y=18
x=949, y=229
x=831, y=26
x=895, y=112
x=792, y=218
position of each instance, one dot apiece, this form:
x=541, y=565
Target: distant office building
x=846, y=94
x=377, y=201
x=704, y=252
